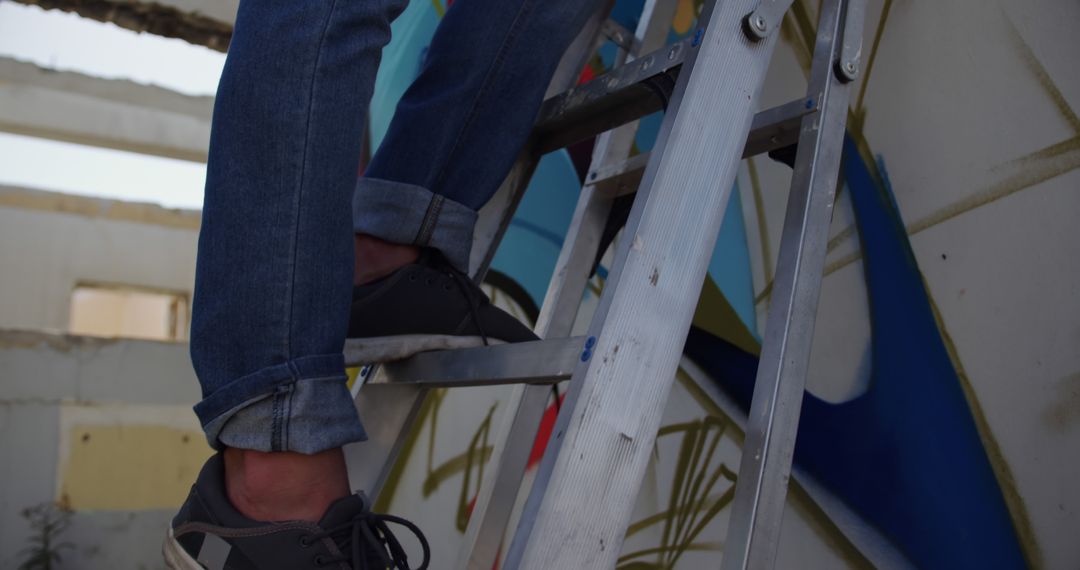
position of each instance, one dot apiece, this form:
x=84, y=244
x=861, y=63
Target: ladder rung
x=621, y=178
x=538, y=362
x=772, y=128
x=620, y=96
x=778, y=126
x=615, y=98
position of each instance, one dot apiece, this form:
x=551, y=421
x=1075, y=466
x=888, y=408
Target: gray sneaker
x=427, y=305
x=209, y=534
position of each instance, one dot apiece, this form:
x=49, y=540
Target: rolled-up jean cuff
x=303, y=405
x=410, y=214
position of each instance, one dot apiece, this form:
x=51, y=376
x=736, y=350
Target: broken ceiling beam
x=110, y=113
x=201, y=22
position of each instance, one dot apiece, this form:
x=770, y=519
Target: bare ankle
x=283, y=486
x=377, y=258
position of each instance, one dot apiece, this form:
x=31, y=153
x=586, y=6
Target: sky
x=67, y=42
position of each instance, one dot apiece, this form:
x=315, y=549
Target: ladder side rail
x=526, y=404
x=587, y=484
x=761, y=489
x=498, y=493
x=390, y=410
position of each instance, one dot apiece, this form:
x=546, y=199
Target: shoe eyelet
x=305, y=541
x=319, y=560
x=412, y=277
x=429, y=282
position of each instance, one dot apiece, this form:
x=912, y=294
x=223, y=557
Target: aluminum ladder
x=621, y=372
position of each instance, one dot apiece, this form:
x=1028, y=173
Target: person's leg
x=272, y=292
x=275, y=251
x=463, y=121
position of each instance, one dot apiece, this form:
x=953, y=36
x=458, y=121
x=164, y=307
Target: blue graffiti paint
x=906, y=454
x=730, y=251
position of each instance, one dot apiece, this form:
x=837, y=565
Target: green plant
x=48, y=521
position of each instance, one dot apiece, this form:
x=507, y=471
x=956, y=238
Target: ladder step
x=615, y=98
x=620, y=178
x=537, y=362
x=778, y=126
x=772, y=128
x=632, y=91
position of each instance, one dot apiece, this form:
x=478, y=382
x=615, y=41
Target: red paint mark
x=587, y=75
x=547, y=424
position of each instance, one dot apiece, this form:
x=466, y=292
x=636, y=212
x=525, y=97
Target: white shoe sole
x=176, y=557
x=389, y=348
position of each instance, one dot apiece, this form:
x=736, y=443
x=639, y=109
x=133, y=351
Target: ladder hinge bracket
x=847, y=66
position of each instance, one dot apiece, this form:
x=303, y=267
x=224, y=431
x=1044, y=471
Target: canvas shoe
x=209, y=534
x=426, y=305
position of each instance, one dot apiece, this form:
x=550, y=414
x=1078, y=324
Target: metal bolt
x=755, y=26
x=847, y=70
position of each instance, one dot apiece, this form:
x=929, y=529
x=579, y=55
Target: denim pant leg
x=275, y=263
x=460, y=125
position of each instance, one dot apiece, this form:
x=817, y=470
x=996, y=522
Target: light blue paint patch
x=531, y=246
x=648, y=130
x=730, y=264
x=539, y=230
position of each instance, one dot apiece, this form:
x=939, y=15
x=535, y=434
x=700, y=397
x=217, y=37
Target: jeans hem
x=302, y=405
x=411, y=214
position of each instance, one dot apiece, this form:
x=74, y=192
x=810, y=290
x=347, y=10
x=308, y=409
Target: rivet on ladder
x=847, y=71
x=587, y=353
x=755, y=26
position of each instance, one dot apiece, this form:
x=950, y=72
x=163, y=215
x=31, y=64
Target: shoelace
x=371, y=530
x=465, y=285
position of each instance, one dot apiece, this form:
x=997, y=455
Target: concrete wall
x=50, y=242
x=102, y=426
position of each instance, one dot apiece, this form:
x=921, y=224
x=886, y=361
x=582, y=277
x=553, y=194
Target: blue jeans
x=275, y=265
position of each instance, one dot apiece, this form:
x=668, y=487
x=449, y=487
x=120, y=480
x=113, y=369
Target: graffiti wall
x=941, y=423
